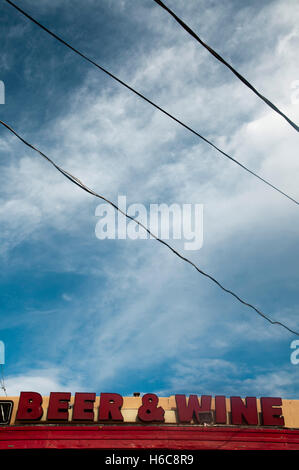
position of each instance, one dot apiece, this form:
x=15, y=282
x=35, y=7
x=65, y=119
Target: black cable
x=223, y=61
x=150, y=102
x=79, y=183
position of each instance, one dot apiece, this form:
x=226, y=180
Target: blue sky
x=83, y=314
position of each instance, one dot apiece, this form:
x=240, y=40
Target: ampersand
x=149, y=410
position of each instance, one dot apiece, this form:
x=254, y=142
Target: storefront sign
x=62, y=407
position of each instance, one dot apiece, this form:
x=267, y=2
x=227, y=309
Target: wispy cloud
x=140, y=316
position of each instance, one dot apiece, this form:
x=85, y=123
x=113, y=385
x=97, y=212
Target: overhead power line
x=223, y=61
x=150, y=102
x=79, y=183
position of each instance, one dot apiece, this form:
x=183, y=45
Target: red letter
x=192, y=410
x=83, y=407
x=110, y=405
x=272, y=416
x=30, y=406
x=58, y=406
x=149, y=410
x=220, y=410
x=242, y=413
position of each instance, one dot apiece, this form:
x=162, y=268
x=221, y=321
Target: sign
x=62, y=407
x=5, y=411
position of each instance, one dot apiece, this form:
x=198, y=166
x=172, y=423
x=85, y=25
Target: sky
x=83, y=314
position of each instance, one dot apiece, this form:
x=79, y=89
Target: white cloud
x=66, y=297
x=116, y=143
x=43, y=381
x=281, y=383
x=216, y=376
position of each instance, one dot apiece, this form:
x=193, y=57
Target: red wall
x=147, y=437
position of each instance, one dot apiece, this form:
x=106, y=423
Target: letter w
x=186, y=412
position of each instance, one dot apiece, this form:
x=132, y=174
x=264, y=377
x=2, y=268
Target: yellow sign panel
x=64, y=408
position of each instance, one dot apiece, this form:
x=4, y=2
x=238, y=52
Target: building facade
x=110, y=421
